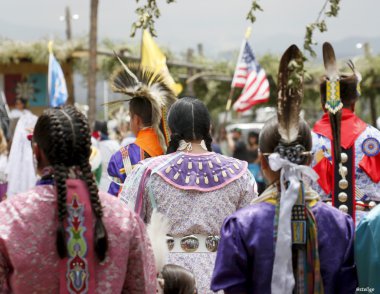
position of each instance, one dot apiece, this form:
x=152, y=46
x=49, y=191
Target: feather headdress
x=136, y=81
x=333, y=102
x=290, y=85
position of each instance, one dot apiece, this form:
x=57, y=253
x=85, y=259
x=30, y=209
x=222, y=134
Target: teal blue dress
x=367, y=251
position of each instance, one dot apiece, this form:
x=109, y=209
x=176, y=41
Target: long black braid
x=189, y=120
x=64, y=136
x=60, y=175
x=83, y=135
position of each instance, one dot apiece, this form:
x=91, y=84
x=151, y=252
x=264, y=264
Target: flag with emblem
x=56, y=83
x=252, y=78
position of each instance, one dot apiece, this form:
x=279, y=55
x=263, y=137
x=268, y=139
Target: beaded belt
x=193, y=243
x=366, y=205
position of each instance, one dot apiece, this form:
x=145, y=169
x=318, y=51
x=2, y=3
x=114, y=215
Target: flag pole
x=230, y=96
x=50, y=47
x=228, y=105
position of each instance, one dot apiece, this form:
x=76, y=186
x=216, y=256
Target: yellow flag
x=151, y=56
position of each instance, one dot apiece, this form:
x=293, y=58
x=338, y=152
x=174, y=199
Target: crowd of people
x=170, y=210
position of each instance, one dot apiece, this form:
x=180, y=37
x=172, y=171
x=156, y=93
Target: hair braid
x=84, y=149
x=59, y=150
x=174, y=143
x=208, y=140
x=60, y=175
x=189, y=120
x=64, y=136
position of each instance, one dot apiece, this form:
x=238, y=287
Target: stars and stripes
x=252, y=78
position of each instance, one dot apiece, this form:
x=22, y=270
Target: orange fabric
x=324, y=169
x=147, y=140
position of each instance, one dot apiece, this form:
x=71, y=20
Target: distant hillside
x=276, y=44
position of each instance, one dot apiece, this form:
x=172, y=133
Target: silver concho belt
x=193, y=243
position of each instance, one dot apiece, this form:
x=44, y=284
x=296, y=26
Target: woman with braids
x=287, y=241
x=149, y=99
x=63, y=236
x=193, y=187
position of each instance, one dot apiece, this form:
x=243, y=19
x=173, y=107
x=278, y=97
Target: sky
x=218, y=24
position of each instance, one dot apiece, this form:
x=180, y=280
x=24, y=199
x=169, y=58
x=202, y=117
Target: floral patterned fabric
x=322, y=147
x=29, y=262
x=369, y=189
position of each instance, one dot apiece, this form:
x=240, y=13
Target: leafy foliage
x=147, y=14
x=37, y=52
x=320, y=24
x=251, y=14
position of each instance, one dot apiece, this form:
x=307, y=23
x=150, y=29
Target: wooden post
x=68, y=23
x=91, y=95
x=372, y=98
x=372, y=104
x=67, y=69
x=190, y=72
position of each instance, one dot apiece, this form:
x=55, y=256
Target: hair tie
x=183, y=145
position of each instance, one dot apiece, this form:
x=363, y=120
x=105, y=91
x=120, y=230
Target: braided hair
x=189, y=120
x=64, y=136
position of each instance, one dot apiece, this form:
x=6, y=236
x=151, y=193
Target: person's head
x=349, y=93
x=178, y=280
x=222, y=134
x=140, y=110
x=236, y=134
x=270, y=138
x=101, y=126
x=253, y=138
x=21, y=103
x=61, y=139
x=252, y=156
x=189, y=120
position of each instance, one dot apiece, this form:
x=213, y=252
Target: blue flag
x=56, y=83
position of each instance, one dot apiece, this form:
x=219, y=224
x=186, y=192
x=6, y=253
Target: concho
x=371, y=146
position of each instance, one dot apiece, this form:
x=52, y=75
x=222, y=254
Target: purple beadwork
x=202, y=172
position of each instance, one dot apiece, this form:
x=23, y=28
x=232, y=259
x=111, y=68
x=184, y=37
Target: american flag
x=251, y=77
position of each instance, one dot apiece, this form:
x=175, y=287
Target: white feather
x=128, y=70
x=157, y=230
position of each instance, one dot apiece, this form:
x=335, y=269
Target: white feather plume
x=157, y=230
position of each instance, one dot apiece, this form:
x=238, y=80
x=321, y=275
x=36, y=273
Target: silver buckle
x=212, y=243
x=189, y=243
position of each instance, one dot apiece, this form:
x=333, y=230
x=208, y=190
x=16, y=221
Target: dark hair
x=253, y=135
x=64, y=137
x=177, y=280
x=270, y=138
x=252, y=156
x=101, y=126
x=348, y=90
x=189, y=120
x=23, y=101
x=143, y=108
